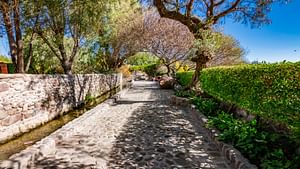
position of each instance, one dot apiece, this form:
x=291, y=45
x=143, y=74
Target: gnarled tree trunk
x=201, y=58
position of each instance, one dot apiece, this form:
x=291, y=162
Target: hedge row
x=269, y=90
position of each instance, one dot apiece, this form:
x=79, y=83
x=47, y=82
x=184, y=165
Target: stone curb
x=232, y=155
x=48, y=144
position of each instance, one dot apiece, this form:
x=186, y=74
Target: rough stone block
x=4, y=87
x=29, y=94
x=3, y=114
x=11, y=119
x=47, y=147
x=9, y=164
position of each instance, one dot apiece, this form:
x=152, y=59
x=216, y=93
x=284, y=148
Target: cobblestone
x=141, y=130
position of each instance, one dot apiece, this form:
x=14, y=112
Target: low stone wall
x=27, y=101
x=232, y=155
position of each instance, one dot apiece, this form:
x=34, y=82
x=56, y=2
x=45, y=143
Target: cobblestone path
x=142, y=130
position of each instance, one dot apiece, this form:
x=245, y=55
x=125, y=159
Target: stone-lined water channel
x=27, y=139
x=141, y=130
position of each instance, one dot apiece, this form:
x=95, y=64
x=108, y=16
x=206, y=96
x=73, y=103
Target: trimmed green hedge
x=184, y=78
x=269, y=90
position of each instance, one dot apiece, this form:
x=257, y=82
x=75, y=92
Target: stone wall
x=27, y=101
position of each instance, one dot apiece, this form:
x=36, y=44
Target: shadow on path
x=159, y=135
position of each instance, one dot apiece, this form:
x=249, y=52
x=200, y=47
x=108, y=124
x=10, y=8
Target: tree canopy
x=200, y=16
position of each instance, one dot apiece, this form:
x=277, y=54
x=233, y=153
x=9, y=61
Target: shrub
x=256, y=144
x=271, y=91
x=124, y=70
x=185, y=93
x=207, y=106
x=184, y=78
x=151, y=69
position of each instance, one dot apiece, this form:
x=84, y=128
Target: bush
x=185, y=93
x=271, y=91
x=207, y=106
x=151, y=69
x=257, y=145
x=184, y=78
x=124, y=70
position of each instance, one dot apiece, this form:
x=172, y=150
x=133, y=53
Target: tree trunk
x=196, y=75
x=5, y=9
x=168, y=70
x=14, y=33
x=18, y=33
x=67, y=66
x=201, y=58
x=30, y=53
x=30, y=50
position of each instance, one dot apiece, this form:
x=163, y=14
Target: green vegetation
x=185, y=93
x=142, y=58
x=271, y=91
x=4, y=59
x=264, y=148
x=184, y=78
x=151, y=69
x=260, y=146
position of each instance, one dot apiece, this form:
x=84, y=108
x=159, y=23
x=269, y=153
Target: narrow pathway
x=142, y=130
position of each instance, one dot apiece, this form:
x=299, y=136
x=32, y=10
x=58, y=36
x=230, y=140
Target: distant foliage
x=151, y=70
x=271, y=91
x=124, y=70
x=227, y=52
x=142, y=58
x=4, y=59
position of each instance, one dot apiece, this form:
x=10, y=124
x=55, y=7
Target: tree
x=169, y=40
x=142, y=58
x=11, y=15
x=42, y=60
x=124, y=32
x=228, y=52
x=60, y=20
x=201, y=15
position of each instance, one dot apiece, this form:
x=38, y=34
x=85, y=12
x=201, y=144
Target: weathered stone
x=166, y=82
x=4, y=87
x=161, y=150
x=118, y=136
x=170, y=162
x=3, y=114
x=25, y=107
x=148, y=157
x=11, y=119
x=31, y=93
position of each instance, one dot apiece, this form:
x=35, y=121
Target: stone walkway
x=142, y=130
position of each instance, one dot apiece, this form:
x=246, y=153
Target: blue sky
x=272, y=43
x=275, y=42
